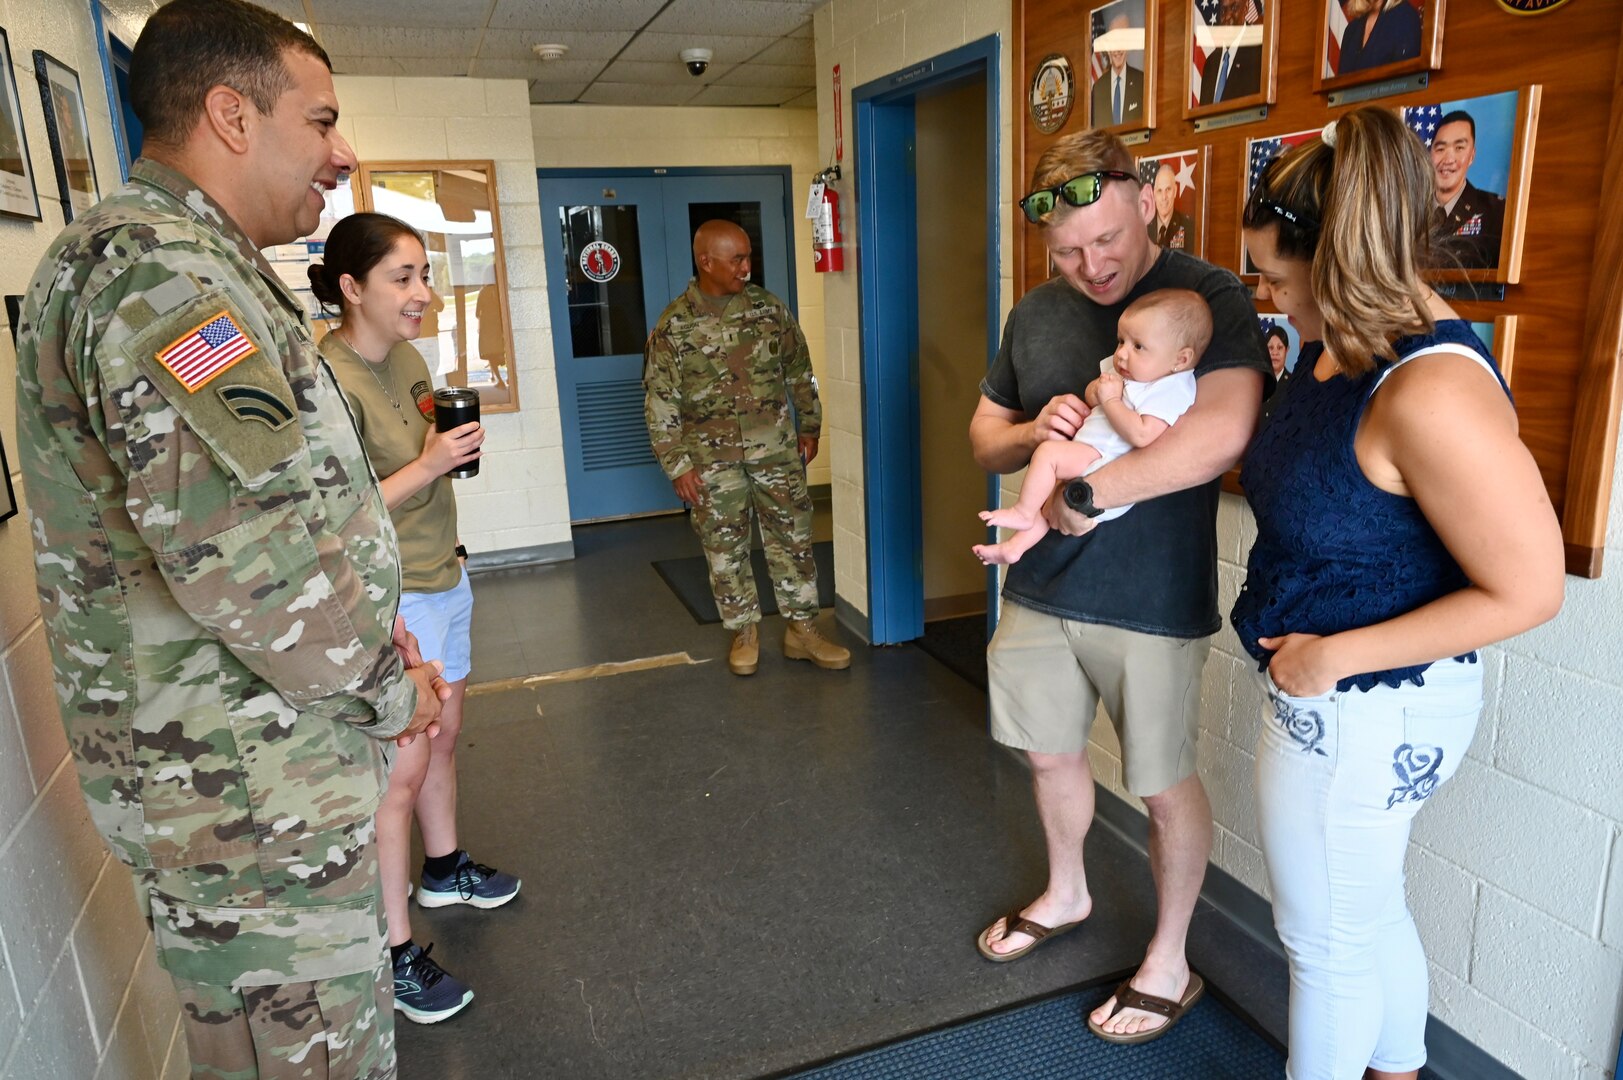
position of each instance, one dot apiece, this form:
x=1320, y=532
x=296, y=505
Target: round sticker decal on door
x=599, y=261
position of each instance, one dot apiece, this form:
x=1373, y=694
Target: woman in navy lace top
x=1401, y=525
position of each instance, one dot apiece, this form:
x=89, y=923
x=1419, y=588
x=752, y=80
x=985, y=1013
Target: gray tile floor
x=732, y=877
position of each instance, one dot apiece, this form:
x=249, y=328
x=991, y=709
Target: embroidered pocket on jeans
x=1433, y=744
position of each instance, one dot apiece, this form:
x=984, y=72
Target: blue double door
x=619, y=249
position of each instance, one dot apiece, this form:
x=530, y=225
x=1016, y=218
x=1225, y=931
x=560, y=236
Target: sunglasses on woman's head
x=1081, y=190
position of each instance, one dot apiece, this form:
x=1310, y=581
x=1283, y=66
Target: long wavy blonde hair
x=1362, y=212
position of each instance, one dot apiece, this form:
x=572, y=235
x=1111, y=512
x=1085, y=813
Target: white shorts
x=443, y=623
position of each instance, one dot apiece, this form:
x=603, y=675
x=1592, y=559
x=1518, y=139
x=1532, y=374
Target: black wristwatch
x=1079, y=497
x=461, y=552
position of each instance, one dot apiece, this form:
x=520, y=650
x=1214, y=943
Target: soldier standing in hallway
x=721, y=368
x=218, y=575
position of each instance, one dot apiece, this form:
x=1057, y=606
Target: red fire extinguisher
x=827, y=252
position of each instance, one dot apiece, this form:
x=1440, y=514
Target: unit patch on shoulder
x=252, y=403
x=206, y=350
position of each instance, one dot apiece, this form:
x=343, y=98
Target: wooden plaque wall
x=1567, y=381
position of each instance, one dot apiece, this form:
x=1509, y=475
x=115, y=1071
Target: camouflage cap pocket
x=229, y=946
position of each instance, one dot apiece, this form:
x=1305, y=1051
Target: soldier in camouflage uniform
x=217, y=572
x=720, y=368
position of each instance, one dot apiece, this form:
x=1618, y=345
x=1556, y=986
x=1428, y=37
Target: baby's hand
x=1111, y=386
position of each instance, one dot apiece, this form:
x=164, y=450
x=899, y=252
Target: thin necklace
x=368, y=365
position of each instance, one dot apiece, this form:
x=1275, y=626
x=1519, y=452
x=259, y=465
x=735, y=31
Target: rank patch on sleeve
x=206, y=350
x=252, y=403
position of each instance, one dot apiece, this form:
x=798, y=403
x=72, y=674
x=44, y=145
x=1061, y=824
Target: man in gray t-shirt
x=1121, y=616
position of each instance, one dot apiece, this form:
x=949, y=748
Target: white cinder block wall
x=612, y=136
x=1516, y=869
x=81, y=993
x=519, y=499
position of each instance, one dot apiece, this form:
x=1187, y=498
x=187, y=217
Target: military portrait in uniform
x=1179, y=182
x=1230, y=51
x=19, y=196
x=1284, y=345
x=1122, y=84
x=1479, y=150
x=69, y=130
x=1364, y=41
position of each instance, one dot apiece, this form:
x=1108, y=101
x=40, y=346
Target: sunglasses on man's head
x=1081, y=190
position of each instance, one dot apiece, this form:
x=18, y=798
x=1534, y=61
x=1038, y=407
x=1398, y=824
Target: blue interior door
x=620, y=249
x=609, y=280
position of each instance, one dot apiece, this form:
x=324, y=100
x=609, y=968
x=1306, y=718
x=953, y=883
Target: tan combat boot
x=802, y=641
x=745, y=654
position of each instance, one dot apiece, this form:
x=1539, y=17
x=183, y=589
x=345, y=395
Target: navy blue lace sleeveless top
x=1333, y=551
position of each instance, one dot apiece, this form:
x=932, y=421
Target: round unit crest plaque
x=1053, y=90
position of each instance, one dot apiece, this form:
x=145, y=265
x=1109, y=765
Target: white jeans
x=1340, y=778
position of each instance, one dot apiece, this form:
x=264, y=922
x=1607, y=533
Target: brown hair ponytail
x=1362, y=207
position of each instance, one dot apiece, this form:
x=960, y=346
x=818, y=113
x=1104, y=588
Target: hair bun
x=323, y=289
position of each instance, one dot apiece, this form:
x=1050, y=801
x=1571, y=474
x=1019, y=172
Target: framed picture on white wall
x=68, y=127
x=18, y=195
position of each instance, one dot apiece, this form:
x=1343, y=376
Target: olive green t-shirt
x=394, y=436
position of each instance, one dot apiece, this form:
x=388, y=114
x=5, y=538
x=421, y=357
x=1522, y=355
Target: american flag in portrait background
x=1096, y=59
x=1205, y=15
x=1335, y=27
x=1262, y=151
x=1422, y=120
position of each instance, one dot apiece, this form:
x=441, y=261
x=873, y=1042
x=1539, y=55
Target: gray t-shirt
x=1153, y=570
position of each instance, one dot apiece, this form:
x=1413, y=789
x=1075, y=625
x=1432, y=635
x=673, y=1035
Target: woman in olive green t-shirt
x=375, y=272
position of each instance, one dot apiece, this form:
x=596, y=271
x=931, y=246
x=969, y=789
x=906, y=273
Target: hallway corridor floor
x=730, y=877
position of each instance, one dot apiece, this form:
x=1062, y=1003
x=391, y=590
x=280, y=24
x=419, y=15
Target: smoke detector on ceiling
x=550, y=52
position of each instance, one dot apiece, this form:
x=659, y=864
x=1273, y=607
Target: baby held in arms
x=1141, y=391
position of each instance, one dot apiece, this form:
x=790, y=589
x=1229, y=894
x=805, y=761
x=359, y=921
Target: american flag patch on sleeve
x=206, y=351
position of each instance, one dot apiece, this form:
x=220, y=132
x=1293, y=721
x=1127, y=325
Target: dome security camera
x=697, y=60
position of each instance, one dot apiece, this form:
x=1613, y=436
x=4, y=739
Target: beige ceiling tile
x=763, y=18
x=558, y=71
x=386, y=65
x=808, y=100
x=789, y=50
x=554, y=93
x=728, y=48
x=636, y=71
x=574, y=15
x=469, y=14
x=769, y=75
x=505, y=44
x=399, y=41
x=607, y=93
x=746, y=95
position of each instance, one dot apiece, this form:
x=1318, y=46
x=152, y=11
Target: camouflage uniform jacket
x=217, y=571
x=719, y=386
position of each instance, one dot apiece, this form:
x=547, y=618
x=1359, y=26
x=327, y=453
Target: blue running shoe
x=424, y=991
x=470, y=883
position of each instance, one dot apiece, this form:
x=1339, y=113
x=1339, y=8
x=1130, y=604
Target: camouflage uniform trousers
x=783, y=508
x=279, y=960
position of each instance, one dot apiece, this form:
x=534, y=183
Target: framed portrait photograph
x=19, y=197
x=1258, y=153
x=1482, y=157
x=1284, y=345
x=1363, y=41
x=1121, y=84
x=69, y=130
x=1178, y=179
x=1229, y=55
x=1499, y=336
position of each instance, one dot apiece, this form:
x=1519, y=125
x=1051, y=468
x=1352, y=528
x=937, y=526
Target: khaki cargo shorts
x=1048, y=675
